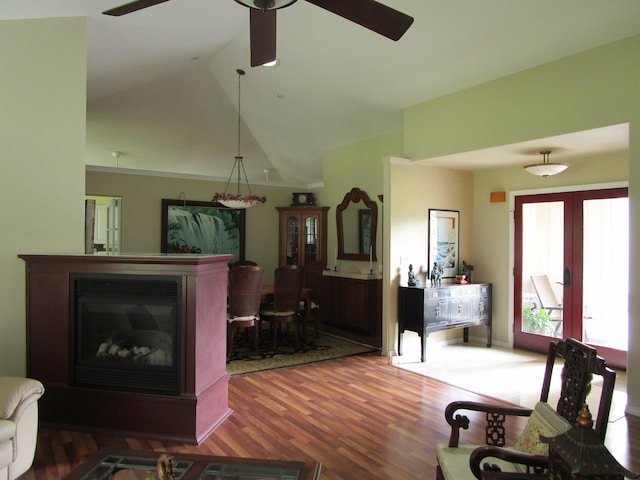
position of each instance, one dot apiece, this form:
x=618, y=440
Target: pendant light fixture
x=238, y=200
x=546, y=168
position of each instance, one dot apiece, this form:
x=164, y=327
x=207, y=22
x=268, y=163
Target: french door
x=571, y=270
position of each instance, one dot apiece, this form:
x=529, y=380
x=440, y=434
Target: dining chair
x=243, y=311
x=312, y=285
x=285, y=309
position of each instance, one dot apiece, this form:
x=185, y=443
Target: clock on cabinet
x=302, y=198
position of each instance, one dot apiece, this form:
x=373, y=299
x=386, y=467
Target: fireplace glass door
x=124, y=331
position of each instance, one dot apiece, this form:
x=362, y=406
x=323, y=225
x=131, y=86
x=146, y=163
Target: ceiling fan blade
x=132, y=7
x=370, y=14
x=262, y=30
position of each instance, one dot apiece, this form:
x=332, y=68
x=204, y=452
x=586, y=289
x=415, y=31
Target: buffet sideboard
x=431, y=309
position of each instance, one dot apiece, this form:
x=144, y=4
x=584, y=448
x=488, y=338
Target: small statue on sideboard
x=413, y=281
x=466, y=271
x=436, y=275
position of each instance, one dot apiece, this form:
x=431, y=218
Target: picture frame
x=193, y=227
x=364, y=230
x=443, y=241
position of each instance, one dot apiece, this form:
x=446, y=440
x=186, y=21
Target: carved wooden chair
x=460, y=462
x=287, y=294
x=243, y=311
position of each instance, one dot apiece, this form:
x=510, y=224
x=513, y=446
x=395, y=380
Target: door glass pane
x=293, y=239
x=310, y=238
x=542, y=268
x=605, y=272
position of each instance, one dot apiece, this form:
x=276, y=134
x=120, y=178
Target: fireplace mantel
x=202, y=402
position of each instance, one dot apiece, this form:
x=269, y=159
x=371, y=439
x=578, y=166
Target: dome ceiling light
x=546, y=168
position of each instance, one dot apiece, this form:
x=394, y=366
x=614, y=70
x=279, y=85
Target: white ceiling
x=162, y=82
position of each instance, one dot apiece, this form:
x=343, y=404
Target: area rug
x=315, y=349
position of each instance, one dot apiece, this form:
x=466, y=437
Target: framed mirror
x=357, y=221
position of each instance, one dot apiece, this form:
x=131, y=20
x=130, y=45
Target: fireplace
x=124, y=332
x=129, y=344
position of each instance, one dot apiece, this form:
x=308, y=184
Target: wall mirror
x=357, y=221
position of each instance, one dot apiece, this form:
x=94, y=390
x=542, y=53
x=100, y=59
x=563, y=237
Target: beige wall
x=141, y=211
x=42, y=159
x=592, y=89
x=413, y=190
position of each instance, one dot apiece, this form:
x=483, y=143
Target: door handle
x=567, y=277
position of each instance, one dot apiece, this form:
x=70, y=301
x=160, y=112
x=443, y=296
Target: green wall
x=42, y=137
x=592, y=89
x=359, y=165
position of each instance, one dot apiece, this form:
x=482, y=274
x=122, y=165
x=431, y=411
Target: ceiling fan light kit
x=546, y=168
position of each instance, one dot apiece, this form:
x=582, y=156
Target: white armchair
x=18, y=424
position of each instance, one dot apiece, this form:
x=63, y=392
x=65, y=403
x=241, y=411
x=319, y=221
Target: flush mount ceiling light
x=546, y=168
x=238, y=200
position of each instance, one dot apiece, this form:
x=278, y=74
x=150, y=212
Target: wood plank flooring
x=358, y=416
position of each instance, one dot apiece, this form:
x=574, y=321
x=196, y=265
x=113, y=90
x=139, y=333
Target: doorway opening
x=102, y=224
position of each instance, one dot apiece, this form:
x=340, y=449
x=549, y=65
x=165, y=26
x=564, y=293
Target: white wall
x=42, y=159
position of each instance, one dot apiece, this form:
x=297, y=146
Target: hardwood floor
x=358, y=416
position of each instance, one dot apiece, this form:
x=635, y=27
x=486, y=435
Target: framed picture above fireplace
x=202, y=227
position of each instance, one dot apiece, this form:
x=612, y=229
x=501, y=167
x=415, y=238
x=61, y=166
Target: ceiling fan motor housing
x=265, y=5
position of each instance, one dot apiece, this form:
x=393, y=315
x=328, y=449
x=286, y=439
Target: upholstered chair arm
x=495, y=415
x=16, y=395
x=534, y=463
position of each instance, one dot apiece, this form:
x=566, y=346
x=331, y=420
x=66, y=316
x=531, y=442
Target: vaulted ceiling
x=163, y=88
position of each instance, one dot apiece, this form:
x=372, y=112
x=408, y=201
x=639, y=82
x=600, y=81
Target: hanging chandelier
x=546, y=168
x=238, y=200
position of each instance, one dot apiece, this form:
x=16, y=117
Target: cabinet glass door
x=293, y=240
x=310, y=238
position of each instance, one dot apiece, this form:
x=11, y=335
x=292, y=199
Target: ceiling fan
x=262, y=20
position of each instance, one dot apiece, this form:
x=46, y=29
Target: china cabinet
x=303, y=234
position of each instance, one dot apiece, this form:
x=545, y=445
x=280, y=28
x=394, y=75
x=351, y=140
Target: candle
x=370, y=259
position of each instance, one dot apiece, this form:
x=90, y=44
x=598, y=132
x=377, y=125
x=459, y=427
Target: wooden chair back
x=244, y=290
x=313, y=278
x=287, y=288
x=581, y=363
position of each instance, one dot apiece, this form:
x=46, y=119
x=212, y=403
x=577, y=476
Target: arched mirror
x=357, y=221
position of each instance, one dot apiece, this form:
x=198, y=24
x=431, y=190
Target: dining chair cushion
x=273, y=313
x=243, y=318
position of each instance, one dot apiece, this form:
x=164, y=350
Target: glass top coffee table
x=145, y=465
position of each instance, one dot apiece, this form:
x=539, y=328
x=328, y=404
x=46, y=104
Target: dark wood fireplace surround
x=202, y=402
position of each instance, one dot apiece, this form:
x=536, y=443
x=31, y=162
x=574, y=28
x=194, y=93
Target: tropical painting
x=202, y=227
x=443, y=240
